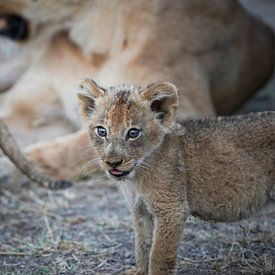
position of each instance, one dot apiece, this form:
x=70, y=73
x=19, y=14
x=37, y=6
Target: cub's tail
x=28, y=168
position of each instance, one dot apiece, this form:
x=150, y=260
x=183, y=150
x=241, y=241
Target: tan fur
x=214, y=51
x=220, y=169
x=11, y=149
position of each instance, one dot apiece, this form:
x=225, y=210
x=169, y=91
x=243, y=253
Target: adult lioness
x=214, y=51
x=220, y=169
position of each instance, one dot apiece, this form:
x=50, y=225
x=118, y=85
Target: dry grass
x=87, y=230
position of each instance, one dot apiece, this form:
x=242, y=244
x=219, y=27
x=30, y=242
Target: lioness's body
x=220, y=169
x=214, y=51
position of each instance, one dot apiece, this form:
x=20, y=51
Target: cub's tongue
x=116, y=172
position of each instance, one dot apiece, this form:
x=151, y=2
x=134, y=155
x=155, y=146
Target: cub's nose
x=114, y=164
x=14, y=27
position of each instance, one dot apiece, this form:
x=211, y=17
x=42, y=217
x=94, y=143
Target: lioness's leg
x=68, y=157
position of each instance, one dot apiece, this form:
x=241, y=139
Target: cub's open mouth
x=118, y=173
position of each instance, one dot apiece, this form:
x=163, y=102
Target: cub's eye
x=101, y=131
x=133, y=133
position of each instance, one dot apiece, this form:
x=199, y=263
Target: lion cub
x=220, y=169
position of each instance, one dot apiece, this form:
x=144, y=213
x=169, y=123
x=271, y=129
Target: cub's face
x=127, y=123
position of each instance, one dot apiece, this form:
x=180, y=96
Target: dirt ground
x=87, y=229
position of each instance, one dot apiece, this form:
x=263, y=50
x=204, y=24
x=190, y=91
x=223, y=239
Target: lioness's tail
x=11, y=149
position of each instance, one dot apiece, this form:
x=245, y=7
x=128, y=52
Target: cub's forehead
x=122, y=97
x=121, y=106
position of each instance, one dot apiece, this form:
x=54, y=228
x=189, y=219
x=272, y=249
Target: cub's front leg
x=143, y=226
x=168, y=227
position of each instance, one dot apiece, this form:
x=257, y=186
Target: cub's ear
x=88, y=92
x=163, y=100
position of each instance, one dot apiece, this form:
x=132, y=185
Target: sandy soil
x=87, y=229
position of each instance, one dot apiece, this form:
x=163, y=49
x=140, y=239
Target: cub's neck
x=164, y=159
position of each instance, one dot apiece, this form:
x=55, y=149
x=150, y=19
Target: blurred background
x=264, y=99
